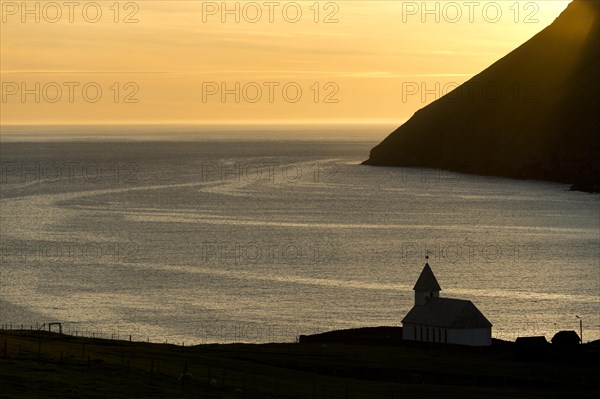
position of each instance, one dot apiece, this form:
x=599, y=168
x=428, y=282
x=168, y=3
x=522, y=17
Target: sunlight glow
x=178, y=61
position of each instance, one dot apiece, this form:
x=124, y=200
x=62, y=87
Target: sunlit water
x=259, y=241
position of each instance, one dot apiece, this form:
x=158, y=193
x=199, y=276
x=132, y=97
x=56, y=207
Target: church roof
x=427, y=281
x=447, y=313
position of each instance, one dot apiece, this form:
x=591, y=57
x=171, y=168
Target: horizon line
x=250, y=122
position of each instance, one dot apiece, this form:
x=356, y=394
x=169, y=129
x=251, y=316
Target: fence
x=173, y=368
x=194, y=333
x=79, y=330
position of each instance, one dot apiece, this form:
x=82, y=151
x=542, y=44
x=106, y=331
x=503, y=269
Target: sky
x=155, y=61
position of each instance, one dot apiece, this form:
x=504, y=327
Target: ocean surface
x=260, y=236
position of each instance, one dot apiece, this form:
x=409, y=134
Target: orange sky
x=169, y=61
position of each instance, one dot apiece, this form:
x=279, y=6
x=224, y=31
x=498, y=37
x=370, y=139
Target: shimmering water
x=259, y=240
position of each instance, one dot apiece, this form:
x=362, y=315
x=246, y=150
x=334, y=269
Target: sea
x=219, y=234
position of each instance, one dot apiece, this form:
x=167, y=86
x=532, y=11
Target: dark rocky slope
x=534, y=114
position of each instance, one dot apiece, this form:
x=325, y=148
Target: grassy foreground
x=35, y=364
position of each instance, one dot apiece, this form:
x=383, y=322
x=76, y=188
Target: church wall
x=471, y=337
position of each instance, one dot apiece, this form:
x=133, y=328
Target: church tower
x=427, y=286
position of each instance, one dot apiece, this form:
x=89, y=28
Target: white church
x=444, y=320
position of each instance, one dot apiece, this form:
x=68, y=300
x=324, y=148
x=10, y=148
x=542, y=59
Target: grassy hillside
x=48, y=365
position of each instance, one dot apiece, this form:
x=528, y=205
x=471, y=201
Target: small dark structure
x=356, y=336
x=59, y=325
x=565, y=340
x=531, y=348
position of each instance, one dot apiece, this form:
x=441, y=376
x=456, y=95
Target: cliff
x=534, y=114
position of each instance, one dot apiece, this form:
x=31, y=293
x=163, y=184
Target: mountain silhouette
x=534, y=114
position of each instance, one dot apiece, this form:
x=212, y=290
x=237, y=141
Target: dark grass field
x=49, y=365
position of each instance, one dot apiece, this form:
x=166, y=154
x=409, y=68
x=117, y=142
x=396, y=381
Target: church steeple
x=427, y=286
